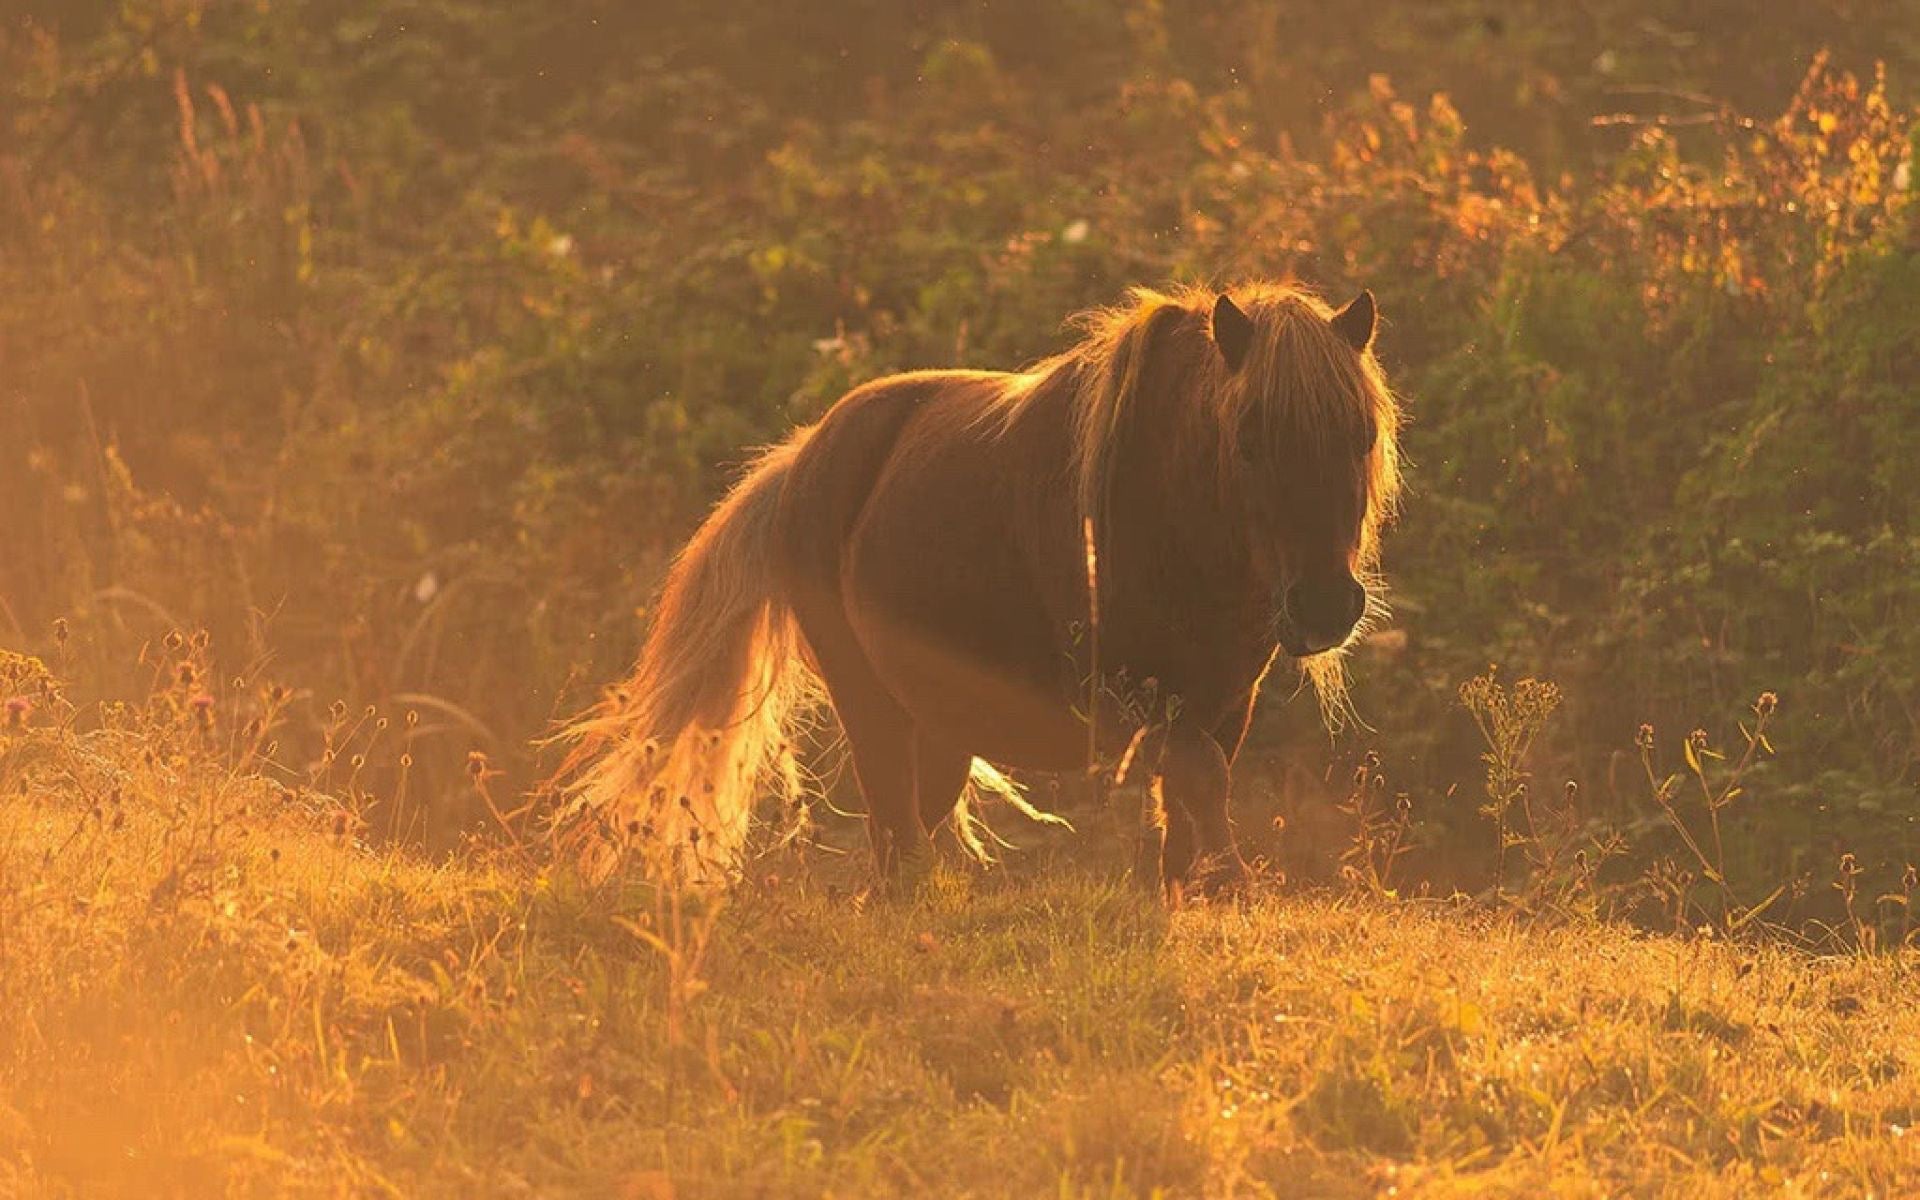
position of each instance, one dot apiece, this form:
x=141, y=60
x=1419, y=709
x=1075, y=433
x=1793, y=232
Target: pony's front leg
x=1195, y=781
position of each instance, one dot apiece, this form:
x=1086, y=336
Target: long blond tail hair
x=666, y=771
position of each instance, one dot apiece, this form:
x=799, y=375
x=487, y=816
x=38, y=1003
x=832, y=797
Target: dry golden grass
x=211, y=989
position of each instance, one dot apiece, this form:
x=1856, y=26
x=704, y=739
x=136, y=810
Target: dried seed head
x=476, y=763
x=1644, y=739
x=60, y=631
x=1766, y=704
x=173, y=640
x=19, y=710
x=1698, y=740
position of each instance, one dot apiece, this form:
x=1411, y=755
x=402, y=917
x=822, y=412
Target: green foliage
x=403, y=347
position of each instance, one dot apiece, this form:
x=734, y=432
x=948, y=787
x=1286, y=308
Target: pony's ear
x=1232, y=331
x=1355, y=322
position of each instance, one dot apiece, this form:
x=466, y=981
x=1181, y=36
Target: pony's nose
x=1324, y=611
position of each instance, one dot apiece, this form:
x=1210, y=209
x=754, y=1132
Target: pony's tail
x=666, y=771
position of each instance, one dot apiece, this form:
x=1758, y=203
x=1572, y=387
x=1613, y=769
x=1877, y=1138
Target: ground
x=212, y=987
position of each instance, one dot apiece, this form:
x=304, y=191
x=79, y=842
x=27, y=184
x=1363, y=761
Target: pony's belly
x=970, y=702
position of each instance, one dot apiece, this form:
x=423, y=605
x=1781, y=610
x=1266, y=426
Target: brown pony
x=1028, y=569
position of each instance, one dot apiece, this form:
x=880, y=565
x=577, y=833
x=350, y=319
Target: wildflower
x=202, y=706
x=1698, y=740
x=19, y=709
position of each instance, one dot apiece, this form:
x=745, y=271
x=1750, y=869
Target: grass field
x=212, y=988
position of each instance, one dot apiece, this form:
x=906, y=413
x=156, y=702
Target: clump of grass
x=1379, y=836
x=1719, y=784
x=1561, y=852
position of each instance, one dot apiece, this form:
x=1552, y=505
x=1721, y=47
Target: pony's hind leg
x=879, y=733
x=939, y=776
x=883, y=758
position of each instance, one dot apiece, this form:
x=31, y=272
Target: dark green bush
x=400, y=349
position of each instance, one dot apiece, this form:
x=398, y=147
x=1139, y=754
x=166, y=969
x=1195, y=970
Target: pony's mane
x=1328, y=391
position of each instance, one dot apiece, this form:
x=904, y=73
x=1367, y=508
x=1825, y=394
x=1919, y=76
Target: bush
x=401, y=349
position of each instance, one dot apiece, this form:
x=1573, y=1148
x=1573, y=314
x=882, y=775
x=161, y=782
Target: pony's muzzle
x=1320, y=614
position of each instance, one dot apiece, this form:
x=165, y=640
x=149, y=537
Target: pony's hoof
x=903, y=878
